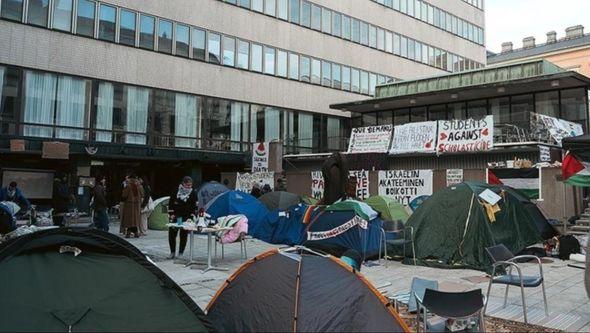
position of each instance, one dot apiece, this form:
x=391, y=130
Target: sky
x=513, y=20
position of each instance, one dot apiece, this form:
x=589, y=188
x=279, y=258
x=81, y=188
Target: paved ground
x=569, y=305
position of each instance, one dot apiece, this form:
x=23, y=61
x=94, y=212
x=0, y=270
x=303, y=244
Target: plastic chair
x=241, y=240
x=502, y=258
x=457, y=306
x=418, y=289
x=396, y=228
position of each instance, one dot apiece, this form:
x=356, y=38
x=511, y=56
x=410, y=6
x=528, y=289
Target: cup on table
x=179, y=220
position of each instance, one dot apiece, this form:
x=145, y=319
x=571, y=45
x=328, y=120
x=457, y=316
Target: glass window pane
x=243, y=54
x=326, y=21
x=396, y=44
x=326, y=74
x=294, y=11
x=372, y=83
x=411, y=49
x=146, y=32
x=127, y=28
x=12, y=9
x=282, y=10
x=106, y=25
x=282, y=63
x=385, y=118
x=345, y=78
x=256, y=58
x=355, y=80
x=364, y=33
x=316, y=17
x=316, y=68
x=401, y=117
x=165, y=36
x=306, y=14
x=364, y=83
x=404, y=47
x=336, y=24
x=85, y=20
x=198, y=44
x=182, y=40
x=345, y=27
x=500, y=109
x=244, y=3
x=521, y=109
x=381, y=39
x=270, y=7
x=418, y=115
x=305, y=69
x=437, y=112
x=574, y=106
x=294, y=66
x=372, y=36
x=269, y=60
x=477, y=109
x=62, y=15
x=336, y=77
x=229, y=51
x=38, y=12
x=258, y=5
x=214, y=48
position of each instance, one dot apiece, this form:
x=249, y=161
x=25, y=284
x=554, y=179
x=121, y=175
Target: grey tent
x=82, y=280
x=279, y=200
x=297, y=291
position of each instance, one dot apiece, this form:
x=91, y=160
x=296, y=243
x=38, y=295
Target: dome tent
x=295, y=290
x=452, y=228
x=87, y=280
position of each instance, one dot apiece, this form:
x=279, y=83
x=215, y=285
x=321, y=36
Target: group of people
x=135, y=206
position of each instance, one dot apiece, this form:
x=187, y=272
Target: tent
x=335, y=232
x=209, y=191
x=453, y=227
x=360, y=208
x=8, y=211
x=159, y=217
x=88, y=280
x=285, y=227
x=279, y=200
x=390, y=209
x=296, y=291
x=236, y=202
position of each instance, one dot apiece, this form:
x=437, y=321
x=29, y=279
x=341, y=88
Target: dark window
x=38, y=12
x=500, y=109
x=9, y=102
x=164, y=120
x=401, y=117
x=12, y=9
x=62, y=15
x=521, y=109
x=294, y=11
x=86, y=16
x=574, y=106
x=370, y=119
x=146, y=32
x=182, y=40
x=106, y=27
x=477, y=109
x=385, y=118
x=127, y=29
x=547, y=103
x=457, y=111
x=165, y=36
x=199, y=44
x=418, y=115
x=437, y=112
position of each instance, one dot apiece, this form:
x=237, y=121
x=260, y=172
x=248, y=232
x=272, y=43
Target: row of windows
x=569, y=104
x=439, y=18
x=106, y=22
x=62, y=106
x=322, y=19
x=475, y=3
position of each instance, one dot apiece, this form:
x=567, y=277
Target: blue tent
x=285, y=227
x=8, y=210
x=335, y=232
x=236, y=202
x=209, y=191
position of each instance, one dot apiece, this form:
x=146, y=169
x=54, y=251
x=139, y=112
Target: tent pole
x=564, y=209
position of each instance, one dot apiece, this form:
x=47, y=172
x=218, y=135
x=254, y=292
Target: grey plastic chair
x=502, y=258
x=457, y=306
x=418, y=289
x=396, y=228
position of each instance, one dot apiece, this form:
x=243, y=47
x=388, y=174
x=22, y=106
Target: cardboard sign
x=362, y=184
x=373, y=139
x=490, y=197
x=454, y=176
x=405, y=185
x=414, y=138
x=17, y=145
x=56, y=150
x=317, y=185
x=460, y=136
x=245, y=181
x=260, y=157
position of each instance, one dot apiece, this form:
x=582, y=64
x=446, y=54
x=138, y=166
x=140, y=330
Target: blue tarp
x=365, y=241
x=235, y=202
x=285, y=227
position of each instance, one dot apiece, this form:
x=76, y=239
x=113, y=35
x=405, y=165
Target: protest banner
x=459, y=136
x=260, y=157
x=405, y=185
x=373, y=139
x=317, y=185
x=454, y=176
x=559, y=128
x=414, y=138
x=245, y=181
x=362, y=183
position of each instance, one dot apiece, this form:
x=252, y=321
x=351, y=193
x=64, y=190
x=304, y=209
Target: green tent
x=390, y=209
x=309, y=200
x=86, y=280
x=452, y=228
x=360, y=208
x=159, y=217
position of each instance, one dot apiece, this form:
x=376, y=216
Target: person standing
x=100, y=206
x=145, y=206
x=132, y=197
x=14, y=194
x=60, y=199
x=183, y=204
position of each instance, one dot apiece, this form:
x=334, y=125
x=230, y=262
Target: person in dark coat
x=132, y=197
x=256, y=192
x=60, y=199
x=183, y=205
x=335, y=172
x=14, y=194
x=100, y=205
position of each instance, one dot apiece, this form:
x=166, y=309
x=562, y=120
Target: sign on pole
x=260, y=157
x=414, y=138
x=405, y=185
x=459, y=136
x=373, y=139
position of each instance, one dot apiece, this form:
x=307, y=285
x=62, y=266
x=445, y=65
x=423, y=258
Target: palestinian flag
x=524, y=180
x=575, y=172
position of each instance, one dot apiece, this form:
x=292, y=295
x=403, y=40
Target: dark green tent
x=109, y=286
x=452, y=228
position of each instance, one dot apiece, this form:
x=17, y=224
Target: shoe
x=128, y=235
x=181, y=255
x=171, y=256
x=136, y=235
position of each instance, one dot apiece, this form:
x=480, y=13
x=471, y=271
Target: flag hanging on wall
x=524, y=180
x=575, y=171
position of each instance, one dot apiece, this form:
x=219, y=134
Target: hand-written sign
x=454, y=176
x=559, y=128
x=260, y=157
x=405, y=185
x=362, y=183
x=245, y=181
x=459, y=136
x=373, y=139
x=317, y=185
x=414, y=138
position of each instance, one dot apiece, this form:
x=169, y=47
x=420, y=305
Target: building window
x=305, y=132
x=282, y=10
x=336, y=24
x=356, y=31
x=106, y=24
x=214, y=48
x=326, y=21
x=385, y=118
x=105, y=105
x=294, y=10
x=316, y=17
x=477, y=109
x=10, y=79
x=437, y=112
x=256, y=58
x=326, y=74
x=239, y=131
x=270, y=7
x=373, y=36
x=244, y=3
x=500, y=109
x=345, y=78
x=355, y=80
x=418, y=115
x=243, y=54
x=39, y=101
x=396, y=44
x=336, y=77
x=364, y=33
x=62, y=15
x=316, y=68
x=269, y=60
x=404, y=47
x=281, y=63
x=229, y=51
x=381, y=39
x=547, y=103
x=164, y=36
x=372, y=83
x=182, y=40
x=333, y=134
x=521, y=109
x=305, y=69
x=146, y=32
x=12, y=9
x=574, y=106
x=345, y=27
x=306, y=14
x=71, y=106
x=457, y=111
x=258, y=5
x=137, y=108
x=401, y=117
x=370, y=119
x=364, y=83
x=199, y=42
x=293, y=66
x=38, y=12
x=186, y=120
x=127, y=28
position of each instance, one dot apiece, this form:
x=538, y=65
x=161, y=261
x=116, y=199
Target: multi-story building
x=191, y=83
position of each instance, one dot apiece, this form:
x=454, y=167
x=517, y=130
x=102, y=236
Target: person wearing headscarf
x=183, y=205
x=132, y=197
